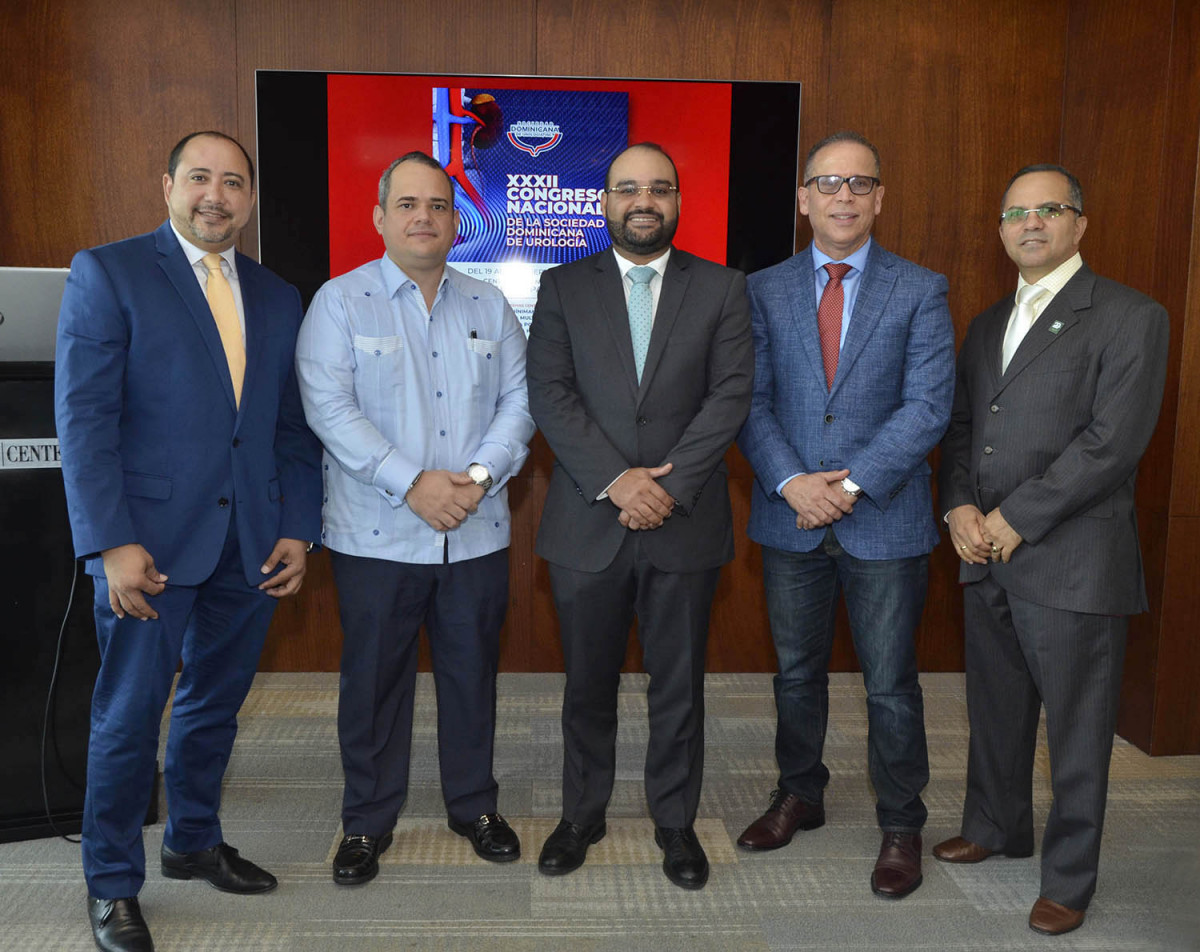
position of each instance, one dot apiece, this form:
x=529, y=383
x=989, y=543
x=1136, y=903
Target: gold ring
x=963, y=547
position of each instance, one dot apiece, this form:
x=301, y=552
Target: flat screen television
x=527, y=156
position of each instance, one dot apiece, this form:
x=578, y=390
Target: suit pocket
x=147, y=486
x=1051, y=368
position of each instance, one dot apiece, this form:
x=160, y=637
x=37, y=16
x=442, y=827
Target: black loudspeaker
x=36, y=573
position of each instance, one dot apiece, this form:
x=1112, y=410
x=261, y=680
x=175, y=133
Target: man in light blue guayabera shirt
x=413, y=377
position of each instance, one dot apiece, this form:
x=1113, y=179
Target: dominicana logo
x=525, y=135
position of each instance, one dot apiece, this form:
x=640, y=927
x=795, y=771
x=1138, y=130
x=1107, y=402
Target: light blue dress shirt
x=391, y=389
x=850, y=282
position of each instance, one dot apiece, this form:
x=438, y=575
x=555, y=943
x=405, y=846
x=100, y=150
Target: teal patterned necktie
x=641, y=314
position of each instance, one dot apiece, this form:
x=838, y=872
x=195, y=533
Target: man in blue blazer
x=193, y=486
x=853, y=380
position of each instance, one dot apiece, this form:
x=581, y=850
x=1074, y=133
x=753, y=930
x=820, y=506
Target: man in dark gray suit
x=639, y=368
x=1057, y=395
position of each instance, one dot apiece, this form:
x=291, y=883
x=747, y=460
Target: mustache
x=654, y=212
x=209, y=209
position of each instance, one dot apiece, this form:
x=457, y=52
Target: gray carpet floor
x=283, y=791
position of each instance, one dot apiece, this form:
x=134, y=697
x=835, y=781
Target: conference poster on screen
x=527, y=159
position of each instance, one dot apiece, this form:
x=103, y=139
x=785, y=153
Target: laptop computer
x=29, y=303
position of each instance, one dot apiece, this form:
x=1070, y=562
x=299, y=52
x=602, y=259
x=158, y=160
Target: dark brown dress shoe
x=684, y=861
x=357, y=859
x=566, y=848
x=957, y=849
x=1050, y=918
x=898, y=869
x=492, y=837
x=775, y=828
x=221, y=867
x=118, y=926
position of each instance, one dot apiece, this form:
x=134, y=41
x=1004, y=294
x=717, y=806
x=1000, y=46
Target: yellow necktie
x=220, y=299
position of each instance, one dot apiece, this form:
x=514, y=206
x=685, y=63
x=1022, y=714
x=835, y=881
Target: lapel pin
x=1055, y=327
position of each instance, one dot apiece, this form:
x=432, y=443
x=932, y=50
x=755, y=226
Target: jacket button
x=828, y=417
x=988, y=451
x=994, y=408
x=642, y=421
x=223, y=502
x=236, y=442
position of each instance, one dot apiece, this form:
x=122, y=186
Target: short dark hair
x=421, y=158
x=846, y=135
x=1074, y=189
x=173, y=159
x=649, y=146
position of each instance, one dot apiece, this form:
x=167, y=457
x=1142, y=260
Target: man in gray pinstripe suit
x=1057, y=395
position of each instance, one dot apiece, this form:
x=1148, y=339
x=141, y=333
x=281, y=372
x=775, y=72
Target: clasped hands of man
x=978, y=538
x=643, y=503
x=444, y=498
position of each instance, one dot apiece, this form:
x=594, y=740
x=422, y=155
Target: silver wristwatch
x=481, y=477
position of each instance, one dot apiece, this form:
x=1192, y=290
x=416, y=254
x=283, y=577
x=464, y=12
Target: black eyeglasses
x=629, y=190
x=1051, y=210
x=832, y=184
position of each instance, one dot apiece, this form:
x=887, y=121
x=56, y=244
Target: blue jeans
x=884, y=600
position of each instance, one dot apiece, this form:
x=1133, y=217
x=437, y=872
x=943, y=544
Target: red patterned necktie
x=829, y=319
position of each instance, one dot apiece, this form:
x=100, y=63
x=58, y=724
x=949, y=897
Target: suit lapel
x=611, y=294
x=874, y=290
x=993, y=337
x=801, y=297
x=1060, y=316
x=255, y=311
x=178, y=270
x=670, y=300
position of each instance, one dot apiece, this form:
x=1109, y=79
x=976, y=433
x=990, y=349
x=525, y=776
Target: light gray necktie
x=1020, y=323
x=641, y=314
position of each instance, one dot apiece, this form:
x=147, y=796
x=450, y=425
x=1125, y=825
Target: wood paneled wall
x=955, y=94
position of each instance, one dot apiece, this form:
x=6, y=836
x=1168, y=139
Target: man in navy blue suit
x=193, y=486
x=853, y=381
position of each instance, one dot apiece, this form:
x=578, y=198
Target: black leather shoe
x=684, y=861
x=566, y=848
x=118, y=926
x=492, y=837
x=221, y=866
x=357, y=859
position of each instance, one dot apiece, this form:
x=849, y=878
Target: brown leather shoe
x=775, y=828
x=958, y=849
x=898, y=869
x=1049, y=918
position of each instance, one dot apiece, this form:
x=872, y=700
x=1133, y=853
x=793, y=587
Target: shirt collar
x=659, y=264
x=196, y=255
x=1057, y=279
x=394, y=278
x=857, y=260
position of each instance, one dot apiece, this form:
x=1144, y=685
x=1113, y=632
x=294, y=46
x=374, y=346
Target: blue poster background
x=538, y=166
